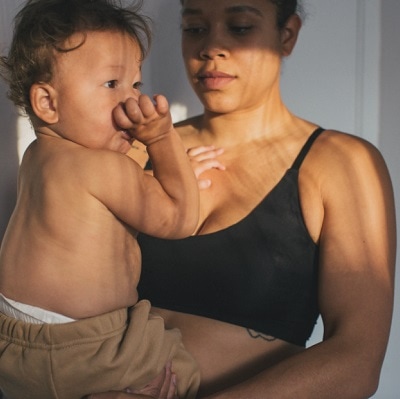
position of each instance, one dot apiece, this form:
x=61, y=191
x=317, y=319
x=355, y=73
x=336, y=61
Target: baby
x=71, y=323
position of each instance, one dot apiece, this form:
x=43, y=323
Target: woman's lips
x=214, y=80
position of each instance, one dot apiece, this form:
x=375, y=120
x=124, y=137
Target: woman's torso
x=239, y=305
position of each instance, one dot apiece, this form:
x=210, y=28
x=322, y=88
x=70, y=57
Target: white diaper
x=29, y=313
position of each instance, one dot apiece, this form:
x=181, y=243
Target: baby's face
x=90, y=82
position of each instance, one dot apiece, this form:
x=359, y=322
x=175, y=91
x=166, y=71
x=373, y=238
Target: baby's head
x=42, y=29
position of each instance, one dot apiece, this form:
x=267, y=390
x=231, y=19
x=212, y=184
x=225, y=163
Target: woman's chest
x=238, y=273
x=233, y=194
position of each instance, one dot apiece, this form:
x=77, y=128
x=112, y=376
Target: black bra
x=260, y=273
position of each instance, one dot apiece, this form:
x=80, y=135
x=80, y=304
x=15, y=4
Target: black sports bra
x=260, y=273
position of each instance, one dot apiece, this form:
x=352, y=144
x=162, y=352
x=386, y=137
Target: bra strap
x=304, y=151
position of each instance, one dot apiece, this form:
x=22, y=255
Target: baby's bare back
x=64, y=250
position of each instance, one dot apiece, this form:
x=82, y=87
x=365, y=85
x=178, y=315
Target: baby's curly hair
x=42, y=28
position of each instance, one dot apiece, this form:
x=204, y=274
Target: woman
x=295, y=221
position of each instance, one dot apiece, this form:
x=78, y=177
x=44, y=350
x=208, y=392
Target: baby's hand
x=148, y=122
x=204, y=158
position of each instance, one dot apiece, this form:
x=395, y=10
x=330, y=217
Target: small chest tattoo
x=255, y=334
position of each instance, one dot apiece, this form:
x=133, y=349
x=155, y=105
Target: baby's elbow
x=185, y=226
x=179, y=226
x=186, y=220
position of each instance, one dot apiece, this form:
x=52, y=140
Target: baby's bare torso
x=64, y=250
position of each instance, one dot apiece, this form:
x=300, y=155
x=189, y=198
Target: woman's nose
x=214, y=48
x=210, y=54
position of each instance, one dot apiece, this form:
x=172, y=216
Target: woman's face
x=232, y=51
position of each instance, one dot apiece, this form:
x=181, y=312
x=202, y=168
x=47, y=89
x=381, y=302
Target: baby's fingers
x=146, y=106
x=203, y=184
x=161, y=104
x=202, y=153
x=134, y=110
x=127, y=115
x=201, y=167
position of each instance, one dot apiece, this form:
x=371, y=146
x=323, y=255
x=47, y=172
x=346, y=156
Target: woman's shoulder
x=340, y=159
x=345, y=148
x=343, y=139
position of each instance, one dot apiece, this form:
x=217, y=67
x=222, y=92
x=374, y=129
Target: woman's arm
x=356, y=282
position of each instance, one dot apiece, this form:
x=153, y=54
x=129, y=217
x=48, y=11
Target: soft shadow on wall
x=163, y=70
x=8, y=158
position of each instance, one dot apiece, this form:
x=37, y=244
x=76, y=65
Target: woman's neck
x=245, y=126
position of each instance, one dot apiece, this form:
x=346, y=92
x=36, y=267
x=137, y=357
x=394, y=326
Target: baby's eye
x=111, y=84
x=137, y=85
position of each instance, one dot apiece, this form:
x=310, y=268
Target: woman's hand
x=204, y=158
x=162, y=387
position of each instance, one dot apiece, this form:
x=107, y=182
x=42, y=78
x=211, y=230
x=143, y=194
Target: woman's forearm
x=329, y=370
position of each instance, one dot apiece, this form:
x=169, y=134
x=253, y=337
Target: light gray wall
x=8, y=136
x=389, y=143
x=345, y=66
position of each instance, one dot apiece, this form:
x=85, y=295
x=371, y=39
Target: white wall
x=345, y=66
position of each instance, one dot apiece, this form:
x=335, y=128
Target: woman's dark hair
x=42, y=28
x=285, y=8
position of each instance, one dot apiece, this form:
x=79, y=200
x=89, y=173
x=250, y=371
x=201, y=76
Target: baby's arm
x=152, y=125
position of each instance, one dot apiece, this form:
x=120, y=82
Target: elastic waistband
x=73, y=333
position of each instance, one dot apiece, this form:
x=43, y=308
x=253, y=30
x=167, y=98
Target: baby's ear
x=44, y=102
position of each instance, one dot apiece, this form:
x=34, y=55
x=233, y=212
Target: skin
x=78, y=189
x=240, y=148
x=100, y=198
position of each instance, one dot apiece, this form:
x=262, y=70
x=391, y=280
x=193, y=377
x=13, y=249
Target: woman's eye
x=241, y=30
x=111, y=84
x=194, y=30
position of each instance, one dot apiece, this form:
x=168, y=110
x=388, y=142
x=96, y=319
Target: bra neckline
x=294, y=168
x=252, y=211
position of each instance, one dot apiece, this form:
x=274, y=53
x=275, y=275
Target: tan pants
x=114, y=351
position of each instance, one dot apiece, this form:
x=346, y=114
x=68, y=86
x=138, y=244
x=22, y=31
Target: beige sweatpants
x=121, y=349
